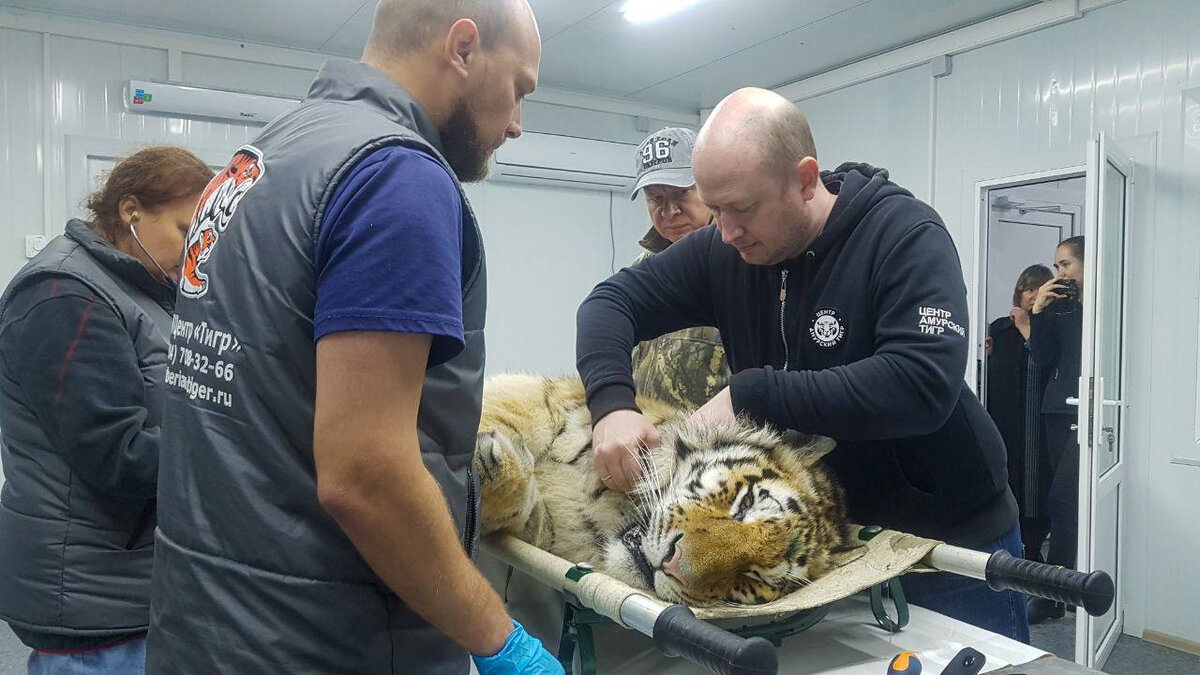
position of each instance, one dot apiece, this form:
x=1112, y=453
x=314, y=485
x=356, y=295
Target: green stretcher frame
x=578, y=619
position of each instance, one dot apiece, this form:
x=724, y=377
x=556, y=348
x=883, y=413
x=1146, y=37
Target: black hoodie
x=871, y=352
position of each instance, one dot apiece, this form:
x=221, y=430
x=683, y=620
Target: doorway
x=1052, y=374
x=1023, y=220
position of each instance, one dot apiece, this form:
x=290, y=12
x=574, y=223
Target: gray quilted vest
x=74, y=561
x=252, y=575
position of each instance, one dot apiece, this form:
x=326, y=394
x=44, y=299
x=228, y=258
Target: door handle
x=1074, y=400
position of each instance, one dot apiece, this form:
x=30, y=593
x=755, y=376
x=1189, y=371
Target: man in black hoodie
x=843, y=311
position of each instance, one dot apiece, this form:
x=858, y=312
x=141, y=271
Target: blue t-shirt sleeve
x=389, y=252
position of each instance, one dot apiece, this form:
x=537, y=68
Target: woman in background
x=84, y=328
x=1014, y=397
x=1055, y=341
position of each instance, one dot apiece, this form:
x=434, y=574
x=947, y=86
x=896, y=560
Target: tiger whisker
x=649, y=487
x=649, y=500
x=798, y=580
x=660, y=483
x=650, y=470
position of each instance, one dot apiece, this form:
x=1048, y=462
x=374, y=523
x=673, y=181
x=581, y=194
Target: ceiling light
x=645, y=11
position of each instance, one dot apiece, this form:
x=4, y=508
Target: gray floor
x=12, y=653
x=1131, y=656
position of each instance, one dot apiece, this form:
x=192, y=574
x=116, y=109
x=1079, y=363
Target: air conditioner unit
x=143, y=96
x=564, y=161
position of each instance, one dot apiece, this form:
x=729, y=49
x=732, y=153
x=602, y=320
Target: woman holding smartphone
x=1055, y=342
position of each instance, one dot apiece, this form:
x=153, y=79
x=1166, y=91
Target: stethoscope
x=167, y=277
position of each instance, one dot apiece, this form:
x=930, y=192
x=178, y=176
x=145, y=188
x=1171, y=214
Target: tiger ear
x=800, y=452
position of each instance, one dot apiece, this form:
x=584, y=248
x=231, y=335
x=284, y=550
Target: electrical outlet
x=34, y=243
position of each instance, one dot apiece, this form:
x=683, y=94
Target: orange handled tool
x=905, y=663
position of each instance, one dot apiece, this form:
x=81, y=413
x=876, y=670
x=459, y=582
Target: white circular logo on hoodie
x=827, y=329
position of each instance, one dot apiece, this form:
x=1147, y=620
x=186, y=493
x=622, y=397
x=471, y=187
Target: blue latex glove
x=522, y=654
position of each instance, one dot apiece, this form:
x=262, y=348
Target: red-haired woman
x=83, y=348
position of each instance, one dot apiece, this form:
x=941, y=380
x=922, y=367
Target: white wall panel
x=883, y=122
x=85, y=79
x=211, y=71
x=547, y=248
x=605, y=126
x=22, y=107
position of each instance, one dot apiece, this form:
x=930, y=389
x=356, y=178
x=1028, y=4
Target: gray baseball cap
x=664, y=158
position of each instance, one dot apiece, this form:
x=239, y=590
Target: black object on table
x=966, y=662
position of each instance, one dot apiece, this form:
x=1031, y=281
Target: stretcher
x=741, y=639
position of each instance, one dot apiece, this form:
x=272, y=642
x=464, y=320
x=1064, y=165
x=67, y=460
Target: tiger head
x=213, y=213
x=745, y=516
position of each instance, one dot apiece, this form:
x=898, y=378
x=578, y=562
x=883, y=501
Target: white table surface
x=846, y=642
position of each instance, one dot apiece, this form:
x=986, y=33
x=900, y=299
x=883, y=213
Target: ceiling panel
x=689, y=60
x=302, y=24
x=555, y=16
x=865, y=30
x=607, y=54
x=352, y=37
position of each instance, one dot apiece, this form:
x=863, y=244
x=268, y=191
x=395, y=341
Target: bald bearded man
x=843, y=311
x=319, y=513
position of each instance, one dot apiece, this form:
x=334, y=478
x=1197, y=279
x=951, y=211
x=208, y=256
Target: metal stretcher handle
x=1094, y=591
x=677, y=632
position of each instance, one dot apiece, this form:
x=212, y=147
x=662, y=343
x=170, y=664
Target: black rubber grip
x=677, y=632
x=1093, y=591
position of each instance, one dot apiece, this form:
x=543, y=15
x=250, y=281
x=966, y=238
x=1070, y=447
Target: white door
x=89, y=157
x=1102, y=387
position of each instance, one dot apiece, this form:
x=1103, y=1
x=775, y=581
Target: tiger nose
x=671, y=567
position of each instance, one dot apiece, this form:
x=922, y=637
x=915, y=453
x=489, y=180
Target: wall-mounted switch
x=34, y=243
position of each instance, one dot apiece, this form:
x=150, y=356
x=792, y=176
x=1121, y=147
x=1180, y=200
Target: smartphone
x=1070, y=289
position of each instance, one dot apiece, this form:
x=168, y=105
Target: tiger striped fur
x=730, y=514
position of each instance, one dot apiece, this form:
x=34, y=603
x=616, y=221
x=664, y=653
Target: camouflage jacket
x=685, y=368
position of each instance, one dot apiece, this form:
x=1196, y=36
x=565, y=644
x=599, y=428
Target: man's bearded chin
x=467, y=156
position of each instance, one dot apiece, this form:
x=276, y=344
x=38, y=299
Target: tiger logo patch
x=213, y=213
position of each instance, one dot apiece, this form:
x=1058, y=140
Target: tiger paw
x=506, y=482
